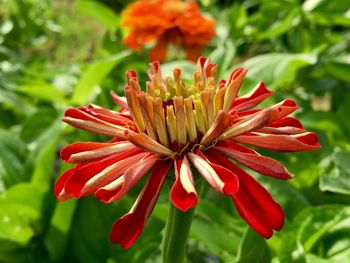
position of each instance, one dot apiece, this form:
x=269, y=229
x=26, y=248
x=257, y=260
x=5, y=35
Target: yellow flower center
x=176, y=115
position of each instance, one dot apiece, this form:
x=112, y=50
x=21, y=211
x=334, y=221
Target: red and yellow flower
x=198, y=127
x=167, y=22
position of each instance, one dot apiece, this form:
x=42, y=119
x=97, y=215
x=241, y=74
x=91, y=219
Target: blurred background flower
x=167, y=23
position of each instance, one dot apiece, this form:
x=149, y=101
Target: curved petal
x=92, y=151
x=110, y=173
x=83, y=174
x=82, y=120
x=119, y=100
x=118, y=188
x=222, y=121
x=147, y=143
x=280, y=142
x=253, y=160
x=127, y=229
x=281, y=130
x=183, y=194
x=220, y=178
x=110, y=116
x=250, y=100
x=288, y=121
x=59, y=191
x=254, y=203
x=233, y=86
x=260, y=119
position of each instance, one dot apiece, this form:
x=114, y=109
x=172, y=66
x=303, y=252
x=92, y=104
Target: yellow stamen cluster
x=171, y=113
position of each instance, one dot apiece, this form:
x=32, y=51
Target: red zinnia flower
x=167, y=21
x=204, y=124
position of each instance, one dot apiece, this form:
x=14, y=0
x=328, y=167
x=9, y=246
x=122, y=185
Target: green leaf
x=252, y=248
x=44, y=155
x=26, y=194
x=100, y=12
x=339, y=67
x=16, y=222
x=324, y=12
x=337, y=180
x=43, y=91
x=13, y=100
x=12, y=156
x=93, y=75
x=277, y=69
x=37, y=123
x=280, y=26
x=315, y=229
x=57, y=235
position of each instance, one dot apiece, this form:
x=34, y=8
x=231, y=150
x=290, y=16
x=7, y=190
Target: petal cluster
x=167, y=22
x=196, y=129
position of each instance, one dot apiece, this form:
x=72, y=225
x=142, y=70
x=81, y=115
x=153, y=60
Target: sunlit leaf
x=93, y=75
x=43, y=91
x=277, y=69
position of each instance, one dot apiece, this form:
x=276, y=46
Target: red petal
x=288, y=121
x=127, y=229
x=252, y=99
x=183, y=194
x=280, y=142
x=62, y=180
x=121, y=101
x=77, y=181
x=109, y=116
x=223, y=181
x=80, y=119
x=253, y=160
x=254, y=202
x=249, y=211
x=116, y=190
x=93, y=151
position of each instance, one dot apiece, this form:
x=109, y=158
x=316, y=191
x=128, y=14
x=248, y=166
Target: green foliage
x=56, y=54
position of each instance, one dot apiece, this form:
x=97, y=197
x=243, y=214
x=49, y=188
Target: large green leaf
x=12, y=156
x=277, y=69
x=339, y=67
x=20, y=212
x=252, y=248
x=338, y=179
x=324, y=12
x=37, y=123
x=13, y=101
x=58, y=232
x=317, y=228
x=93, y=75
x=43, y=91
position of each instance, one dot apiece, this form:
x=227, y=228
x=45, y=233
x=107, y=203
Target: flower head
x=167, y=22
x=188, y=127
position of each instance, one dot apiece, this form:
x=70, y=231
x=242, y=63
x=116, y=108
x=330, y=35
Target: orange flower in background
x=167, y=22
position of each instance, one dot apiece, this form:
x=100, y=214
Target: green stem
x=176, y=232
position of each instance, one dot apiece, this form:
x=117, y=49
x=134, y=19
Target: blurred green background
x=60, y=53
